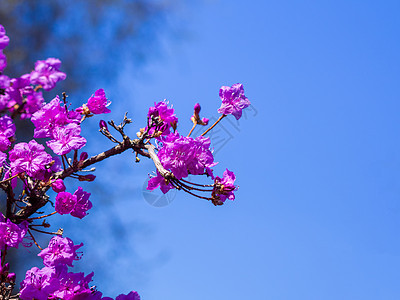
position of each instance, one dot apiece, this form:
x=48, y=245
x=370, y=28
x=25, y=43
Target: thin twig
x=30, y=233
x=191, y=130
x=41, y=217
x=187, y=191
x=8, y=179
x=216, y=122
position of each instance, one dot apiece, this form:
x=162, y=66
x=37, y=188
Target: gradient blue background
x=317, y=214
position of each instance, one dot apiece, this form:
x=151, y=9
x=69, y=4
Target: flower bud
x=89, y=177
x=197, y=108
x=103, y=125
x=174, y=125
x=58, y=186
x=83, y=156
x=6, y=267
x=204, y=121
x=56, y=164
x=11, y=277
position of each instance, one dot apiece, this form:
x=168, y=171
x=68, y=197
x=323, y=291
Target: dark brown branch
x=118, y=149
x=10, y=199
x=38, y=198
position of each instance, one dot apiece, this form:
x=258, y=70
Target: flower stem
x=219, y=119
x=191, y=130
x=41, y=217
x=8, y=179
x=37, y=245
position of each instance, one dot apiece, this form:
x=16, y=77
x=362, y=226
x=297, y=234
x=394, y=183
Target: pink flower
x=165, y=117
x=98, y=103
x=82, y=203
x=3, y=61
x=183, y=156
x=30, y=158
x=11, y=234
x=47, y=73
x=131, y=296
x=233, y=100
x=77, y=204
x=60, y=251
x=39, y=283
x=4, y=40
x=58, y=186
x=66, y=138
x=224, y=188
x=52, y=116
x=65, y=203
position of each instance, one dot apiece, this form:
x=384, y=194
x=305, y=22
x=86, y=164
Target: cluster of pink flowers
x=175, y=156
x=76, y=204
x=183, y=156
x=7, y=132
x=11, y=234
x=59, y=124
x=21, y=95
x=4, y=40
x=54, y=281
x=47, y=73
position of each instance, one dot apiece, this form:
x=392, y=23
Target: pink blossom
x=52, y=116
x=11, y=234
x=233, y=100
x=65, y=203
x=30, y=158
x=4, y=40
x=58, y=186
x=165, y=117
x=47, y=73
x=3, y=61
x=131, y=296
x=66, y=138
x=224, y=188
x=98, y=103
x=82, y=203
x=59, y=251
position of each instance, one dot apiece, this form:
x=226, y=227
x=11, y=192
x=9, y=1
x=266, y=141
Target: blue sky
x=317, y=159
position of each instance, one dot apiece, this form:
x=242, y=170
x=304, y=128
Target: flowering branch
x=175, y=157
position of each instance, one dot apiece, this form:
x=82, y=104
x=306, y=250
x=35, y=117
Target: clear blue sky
x=317, y=215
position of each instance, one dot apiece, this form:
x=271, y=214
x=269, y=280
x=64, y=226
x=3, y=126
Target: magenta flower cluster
x=30, y=158
x=96, y=104
x=54, y=281
x=4, y=40
x=76, y=204
x=29, y=166
x=7, y=132
x=47, y=73
x=183, y=156
x=11, y=234
x=22, y=94
x=62, y=126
